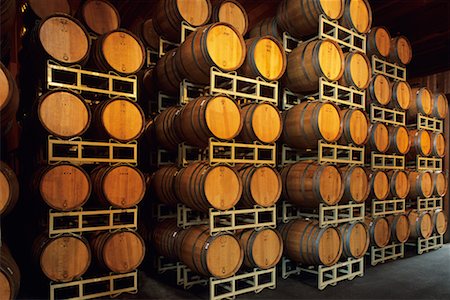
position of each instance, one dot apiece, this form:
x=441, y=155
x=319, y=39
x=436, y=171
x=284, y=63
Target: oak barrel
x=310, y=61
x=438, y=147
x=163, y=184
x=309, y=184
x=355, y=125
x=99, y=16
x=401, y=50
x=378, y=138
x=378, y=42
x=231, y=12
x=379, y=231
x=421, y=224
x=422, y=103
x=9, y=99
x=440, y=221
x=268, y=26
x=398, y=183
x=147, y=34
x=201, y=186
x=168, y=74
x=400, y=229
x=261, y=122
x=9, y=274
x=379, y=185
x=43, y=9
x=356, y=184
x=219, y=256
x=355, y=239
x=306, y=243
x=9, y=189
x=421, y=184
x=165, y=128
x=166, y=238
x=379, y=91
x=402, y=96
x=421, y=144
x=398, y=140
x=308, y=122
x=262, y=248
x=357, y=15
x=357, y=70
x=440, y=106
x=440, y=183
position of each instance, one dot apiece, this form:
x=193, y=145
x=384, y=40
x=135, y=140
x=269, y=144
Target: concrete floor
x=424, y=276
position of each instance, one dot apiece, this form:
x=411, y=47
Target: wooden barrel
x=9, y=189
x=64, y=114
x=310, y=61
x=421, y=184
x=230, y=12
x=378, y=138
x=421, y=224
x=306, y=243
x=378, y=42
x=120, y=119
x=402, y=97
x=166, y=238
x=309, y=184
x=7, y=18
x=63, y=258
x=163, y=184
x=268, y=26
x=265, y=58
x=398, y=140
x=219, y=256
x=148, y=80
x=301, y=18
x=355, y=239
x=379, y=231
x=356, y=184
x=261, y=185
x=168, y=74
x=440, y=183
x=379, y=185
x=398, y=183
x=108, y=52
x=262, y=248
x=165, y=127
x=439, y=221
x=209, y=116
x=120, y=251
x=43, y=9
x=438, y=147
x=120, y=186
x=217, y=45
x=440, y=106
x=63, y=187
x=147, y=34
x=401, y=50
x=355, y=125
x=357, y=15
x=357, y=70
x=261, y=122
x=168, y=16
x=420, y=141
x=422, y=103
x=308, y=122
x=201, y=186
x=9, y=274
x=99, y=16
x=400, y=229
x=379, y=91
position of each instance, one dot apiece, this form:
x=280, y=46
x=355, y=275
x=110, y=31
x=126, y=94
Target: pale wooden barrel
x=231, y=12
x=9, y=99
x=262, y=248
x=9, y=189
x=355, y=125
x=265, y=58
x=9, y=274
x=305, y=242
x=310, y=61
x=401, y=50
x=166, y=238
x=100, y=16
x=400, y=229
x=163, y=184
x=379, y=185
x=147, y=34
x=379, y=91
x=219, y=256
x=308, y=122
x=379, y=231
x=440, y=183
x=378, y=42
x=356, y=184
x=268, y=26
x=402, y=96
x=378, y=138
x=421, y=224
x=201, y=186
x=440, y=106
x=357, y=70
x=168, y=74
x=422, y=102
x=43, y=9
x=438, y=145
x=421, y=184
x=355, y=239
x=309, y=184
x=301, y=18
x=357, y=15
x=261, y=122
x=398, y=183
x=165, y=129
x=421, y=144
x=440, y=221
x=398, y=140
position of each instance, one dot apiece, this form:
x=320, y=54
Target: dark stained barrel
x=262, y=248
x=9, y=189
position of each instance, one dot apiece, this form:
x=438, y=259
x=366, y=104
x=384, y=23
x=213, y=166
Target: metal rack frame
x=428, y=163
x=432, y=243
x=429, y=123
x=426, y=204
x=394, y=71
x=387, y=115
x=387, y=161
x=162, y=211
x=387, y=207
x=165, y=101
x=390, y=252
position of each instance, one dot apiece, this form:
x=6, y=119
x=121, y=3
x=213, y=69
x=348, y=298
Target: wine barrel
x=261, y=185
x=310, y=61
x=402, y=97
x=99, y=16
x=401, y=51
x=166, y=238
x=357, y=70
x=120, y=119
x=398, y=140
x=379, y=91
x=209, y=116
x=378, y=138
x=355, y=239
x=147, y=34
x=398, y=183
x=120, y=251
x=9, y=274
x=148, y=80
x=357, y=15
x=379, y=185
x=63, y=187
x=265, y=58
x=421, y=184
x=230, y=12
x=268, y=26
x=437, y=144
x=379, y=231
x=306, y=243
x=420, y=141
x=162, y=184
x=440, y=183
x=108, y=53
x=7, y=17
x=168, y=74
x=64, y=113
x=262, y=248
x=217, y=45
x=261, y=122
x=400, y=229
x=43, y=9
x=301, y=18
x=378, y=42
x=9, y=189
x=120, y=186
x=63, y=258
x=440, y=106
x=220, y=255
x=308, y=122
x=422, y=103
x=169, y=14
x=439, y=221
x=421, y=224
x=356, y=184
x=355, y=125
x=165, y=128
x=309, y=184
x=201, y=186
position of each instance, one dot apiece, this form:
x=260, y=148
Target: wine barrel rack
x=388, y=69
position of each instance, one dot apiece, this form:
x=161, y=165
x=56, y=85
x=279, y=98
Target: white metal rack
x=427, y=204
x=428, y=163
x=387, y=115
x=432, y=243
x=390, y=252
x=387, y=207
x=429, y=123
x=394, y=71
x=387, y=161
